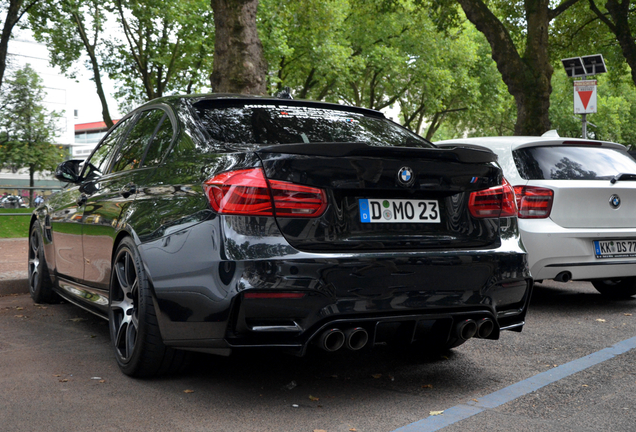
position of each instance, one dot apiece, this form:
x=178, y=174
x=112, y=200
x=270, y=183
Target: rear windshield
x=280, y=124
x=572, y=163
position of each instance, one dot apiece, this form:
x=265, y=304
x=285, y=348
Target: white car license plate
x=614, y=248
x=399, y=211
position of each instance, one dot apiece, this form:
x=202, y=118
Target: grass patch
x=14, y=226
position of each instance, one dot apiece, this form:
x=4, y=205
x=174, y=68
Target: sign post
x=585, y=89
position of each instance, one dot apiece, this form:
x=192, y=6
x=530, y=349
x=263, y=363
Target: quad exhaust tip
x=485, y=327
x=466, y=329
x=333, y=339
x=481, y=328
x=356, y=338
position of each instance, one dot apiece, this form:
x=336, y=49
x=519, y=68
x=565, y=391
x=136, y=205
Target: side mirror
x=68, y=171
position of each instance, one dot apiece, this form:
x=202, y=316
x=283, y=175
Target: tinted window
x=160, y=143
x=268, y=124
x=132, y=150
x=572, y=163
x=97, y=165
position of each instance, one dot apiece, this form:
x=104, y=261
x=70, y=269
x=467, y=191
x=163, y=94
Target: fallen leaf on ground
x=376, y=376
x=313, y=398
x=436, y=413
x=188, y=391
x=19, y=308
x=600, y=320
x=626, y=314
x=319, y=430
x=102, y=381
x=585, y=385
x=353, y=430
x=63, y=380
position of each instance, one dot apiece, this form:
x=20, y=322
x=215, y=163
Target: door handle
x=81, y=200
x=128, y=190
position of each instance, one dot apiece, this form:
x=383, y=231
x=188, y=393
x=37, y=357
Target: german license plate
x=614, y=248
x=399, y=211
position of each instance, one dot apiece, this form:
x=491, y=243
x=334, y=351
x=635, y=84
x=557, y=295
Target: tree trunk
x=533, y=99
x=527, y=77
x=11, y=19
x=90, y=49
x=239, y=64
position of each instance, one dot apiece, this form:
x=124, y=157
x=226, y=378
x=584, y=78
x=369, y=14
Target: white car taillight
x=534, y=202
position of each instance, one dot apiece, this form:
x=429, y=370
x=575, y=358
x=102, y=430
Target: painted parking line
x=510, y=393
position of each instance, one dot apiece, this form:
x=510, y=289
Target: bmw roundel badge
x=405, y=176
x=615, y=201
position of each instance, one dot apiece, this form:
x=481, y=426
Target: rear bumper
x=553, y=249
x=212, y=295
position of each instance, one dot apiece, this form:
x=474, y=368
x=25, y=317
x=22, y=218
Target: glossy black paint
x=353, y=175
x=403, y=281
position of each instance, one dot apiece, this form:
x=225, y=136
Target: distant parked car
x=210, y=223
x=12, y=202
x=576, y=204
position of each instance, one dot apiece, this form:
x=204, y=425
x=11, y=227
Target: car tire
x=134, y=330
x=618, y=288
x=40, y=284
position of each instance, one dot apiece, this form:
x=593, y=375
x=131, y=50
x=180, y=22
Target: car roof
x=515, y=142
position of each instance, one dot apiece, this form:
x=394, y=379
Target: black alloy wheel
x=40, y=285
x=134, y=330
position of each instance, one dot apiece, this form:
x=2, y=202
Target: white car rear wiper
x=623, y=176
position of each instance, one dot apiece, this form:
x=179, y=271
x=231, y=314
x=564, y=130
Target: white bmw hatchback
x=576, y=203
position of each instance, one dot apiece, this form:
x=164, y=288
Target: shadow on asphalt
x=382, y=366
x=344, y=372
x=555, y=296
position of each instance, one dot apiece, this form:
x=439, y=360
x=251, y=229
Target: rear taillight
x=497, y=201
x=247, y=192
x=534, y=202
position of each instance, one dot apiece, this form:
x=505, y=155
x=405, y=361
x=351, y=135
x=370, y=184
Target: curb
x=14, y=286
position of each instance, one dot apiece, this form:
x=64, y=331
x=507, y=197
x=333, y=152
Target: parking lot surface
x=59, y=374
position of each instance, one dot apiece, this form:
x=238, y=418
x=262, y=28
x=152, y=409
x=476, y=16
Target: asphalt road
x=59, y=374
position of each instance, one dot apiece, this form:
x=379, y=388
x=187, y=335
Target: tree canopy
x=443, y=68
x=27, y=128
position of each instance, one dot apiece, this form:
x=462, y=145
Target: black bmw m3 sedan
x=216, y=222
